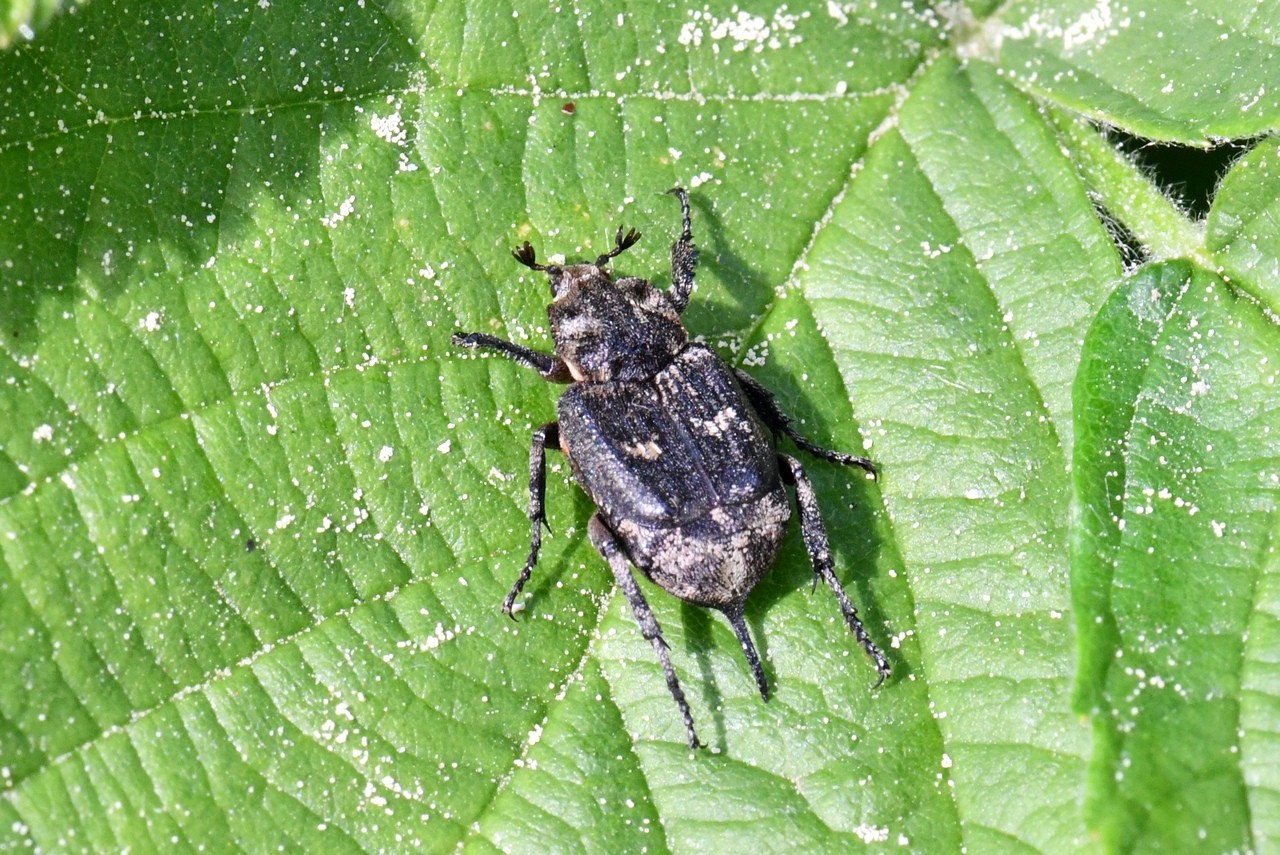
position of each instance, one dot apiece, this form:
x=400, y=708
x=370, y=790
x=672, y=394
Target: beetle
x=675, y=448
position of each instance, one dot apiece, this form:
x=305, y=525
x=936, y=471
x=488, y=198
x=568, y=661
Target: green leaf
x=22, y=18
x=1177, y=478
x=1243, y=229
x=257, y=514
x=1191, y=72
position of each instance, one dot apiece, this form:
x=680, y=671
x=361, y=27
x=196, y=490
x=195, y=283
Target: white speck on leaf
x=389, y=128
x=1093, y=28
x=744, y=30
x=346, y=209
x=871, y=834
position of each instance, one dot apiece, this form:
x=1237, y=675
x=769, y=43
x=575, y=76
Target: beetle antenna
x=621, y=243
x=527, y=256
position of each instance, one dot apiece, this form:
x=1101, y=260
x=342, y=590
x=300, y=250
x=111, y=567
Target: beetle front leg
x=684, y=256
x=548, y=434
x=550, y=366
x=766, y=406
x=607, y=545
x=815, y=541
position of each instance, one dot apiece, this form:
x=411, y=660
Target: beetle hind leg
x=607, y=545
x=548, y=434
x=739, y=624
x=819, y=548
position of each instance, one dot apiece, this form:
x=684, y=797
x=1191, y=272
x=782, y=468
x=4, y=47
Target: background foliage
x=256, y=514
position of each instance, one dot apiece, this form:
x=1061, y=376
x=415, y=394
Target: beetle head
x=606, y=329
x=562, y=278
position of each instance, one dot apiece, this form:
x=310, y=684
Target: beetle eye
x=556, y=281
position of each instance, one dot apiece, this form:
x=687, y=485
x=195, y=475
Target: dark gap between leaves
x=1133, y=253
x=1187, y=174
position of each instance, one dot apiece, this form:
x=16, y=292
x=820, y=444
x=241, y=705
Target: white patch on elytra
x=648, y=449
x=720, y=423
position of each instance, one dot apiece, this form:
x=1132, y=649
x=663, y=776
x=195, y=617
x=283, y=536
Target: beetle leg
x=734, y=614
x=548, y=434
x=684, y=257
x=550, y=366
x=815, y=540
x=607, y=545
x=766, y=406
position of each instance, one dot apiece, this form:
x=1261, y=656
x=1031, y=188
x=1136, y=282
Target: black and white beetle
x=674, y=447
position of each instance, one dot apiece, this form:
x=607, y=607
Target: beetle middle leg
x=815, y=541
x=766, y=406
x=684, y=257
x=548, y=434
x=606, y=543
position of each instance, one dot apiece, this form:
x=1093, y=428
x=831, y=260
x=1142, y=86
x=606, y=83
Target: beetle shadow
x=696, y=621
x=699, y=622
x=847, y=505
x=855, y=547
